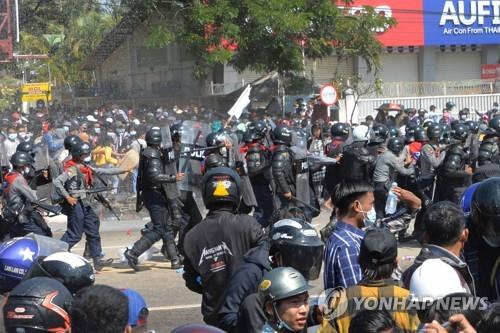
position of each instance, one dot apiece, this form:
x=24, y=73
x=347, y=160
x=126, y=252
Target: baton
x=314, y=209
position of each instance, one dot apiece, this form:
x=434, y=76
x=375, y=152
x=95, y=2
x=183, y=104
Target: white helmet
x=435, y=279
x=361, y=133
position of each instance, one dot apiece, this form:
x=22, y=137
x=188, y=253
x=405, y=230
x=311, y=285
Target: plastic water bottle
x=391, y=204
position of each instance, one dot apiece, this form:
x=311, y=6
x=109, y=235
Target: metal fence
x=481, y=103
x=445, y=88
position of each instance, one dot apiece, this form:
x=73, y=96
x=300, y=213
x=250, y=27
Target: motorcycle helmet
x=485, y=211
x=221, y=185
x=73, y=271
x=40, y=304
x=298, y=245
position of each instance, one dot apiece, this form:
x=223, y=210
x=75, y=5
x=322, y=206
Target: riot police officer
x=388, y=166
x=258, y=159
x=19, y=212
x=473, y=141
x=357, y=162
x=153, y=192
x=282, y=164
x=71, y=189
x=455, y=172
x=215, y=247
x=430, y=159
x=376, y=145
x=486, y=168
x=340, y=134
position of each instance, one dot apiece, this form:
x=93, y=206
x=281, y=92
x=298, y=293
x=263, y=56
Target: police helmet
x=21, y=158
x=494, y=125
x=392, y=132
x=281, y=283
x=473, y=126
x=450, y=105
x=380, y=131
x=79, y=149
x=214, y=161
x=434, y=132
x=282, y=134
x=73, y=271
x=215, y=139
x=257, y=129
x=459, y=132
x=485, y=213
x=410, y=133
x=396, y=145
x=221, y=185
x=420, y=135
x=70, y=141
x=153, y=136
x=487, y=150
x=340, y=131
x=40, y=304
x=26, y=146
x=298, y=245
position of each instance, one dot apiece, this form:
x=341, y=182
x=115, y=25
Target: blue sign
x=458, y=22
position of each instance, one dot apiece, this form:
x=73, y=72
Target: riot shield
x=169, y=165
x=192, y=136
x=42, y=157
x=4, y=159
x=301, y=165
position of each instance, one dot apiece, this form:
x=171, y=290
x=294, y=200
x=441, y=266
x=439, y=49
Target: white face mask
x=12, y=136
x=370, y=217
x=133, y=133
x=66, y=128
x=97, y=130
x=87, y=159
x=26, y=170
x=22, y=135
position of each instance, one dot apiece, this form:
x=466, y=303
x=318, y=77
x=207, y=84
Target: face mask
x=96, y=113
x=87, y=159
x=370, y=217
x=26, y=170
x=463, y=117
x=12, y=136
x=133, y=133
x=120, y=131
x=97, y=130
x=66, y=128
x=22, y=135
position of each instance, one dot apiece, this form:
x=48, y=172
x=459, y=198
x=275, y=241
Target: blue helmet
x=466, y=200
x=18, y=254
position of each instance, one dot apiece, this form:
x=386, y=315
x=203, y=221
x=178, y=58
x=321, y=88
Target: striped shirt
x=341, y=257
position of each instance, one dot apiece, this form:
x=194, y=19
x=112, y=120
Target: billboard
x=437, y=22
x=33, y=92
x=490, y=72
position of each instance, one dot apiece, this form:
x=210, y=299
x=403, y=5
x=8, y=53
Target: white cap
x=361, y=133
x=109, y=120
x=435, y=279
x=91, y=118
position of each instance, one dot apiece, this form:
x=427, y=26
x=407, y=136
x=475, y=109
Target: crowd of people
x=232, y=201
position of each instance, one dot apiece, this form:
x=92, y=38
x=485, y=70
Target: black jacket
x=244, y=282
x=214, y=249
x=430, y=251
x=283, y=172
x=357, y=162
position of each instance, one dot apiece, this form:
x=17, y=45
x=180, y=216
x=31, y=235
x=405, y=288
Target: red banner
x=409, y=29
x=490, y=72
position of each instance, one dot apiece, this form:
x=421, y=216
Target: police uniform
x=282, y=166
x=81, y=217
x=23, y=218
x=453, y=178
x=429, y=162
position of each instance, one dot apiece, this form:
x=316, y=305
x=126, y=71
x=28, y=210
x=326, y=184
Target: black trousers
x=83, y=220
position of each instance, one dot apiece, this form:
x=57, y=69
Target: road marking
x=174, y=307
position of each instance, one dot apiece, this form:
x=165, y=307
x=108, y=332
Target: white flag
x=242, y=102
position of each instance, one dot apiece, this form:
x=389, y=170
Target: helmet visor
x=306, y=259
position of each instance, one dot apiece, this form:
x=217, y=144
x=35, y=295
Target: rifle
x=100, y=198
x=54, y=210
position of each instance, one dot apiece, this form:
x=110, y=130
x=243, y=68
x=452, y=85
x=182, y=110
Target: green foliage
x=8, y=91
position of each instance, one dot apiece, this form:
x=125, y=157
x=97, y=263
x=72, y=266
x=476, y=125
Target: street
x=170, y=303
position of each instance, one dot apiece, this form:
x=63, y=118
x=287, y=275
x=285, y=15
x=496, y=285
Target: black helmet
x=494, y=124
x=79, y=149
x=214, y=161
x=459, y=132
x=282, y=134
x=257, y=128
x=473, y=126
x=392, y=132
x=21, y=158
x=380, y=131
x=221, y=185
x=422, y=112
x=420, y=135
x=73, y=271
x=215, y=139
x=153, y=136
x=396, y=145
x=40, y=304
x=340, y=131
x=434, y=131
x=70, y=141
x=450, y=105
x=485, y=211
x=410, y=133
x=464, y=112
x=298, y=245
x=26, y=146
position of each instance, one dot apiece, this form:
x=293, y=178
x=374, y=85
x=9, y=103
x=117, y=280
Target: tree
x=266, y=35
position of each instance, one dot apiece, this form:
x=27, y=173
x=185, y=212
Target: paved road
x=170, y=302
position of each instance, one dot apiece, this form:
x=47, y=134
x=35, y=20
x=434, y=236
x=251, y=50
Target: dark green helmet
x=21, y=158
x=281, y=283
